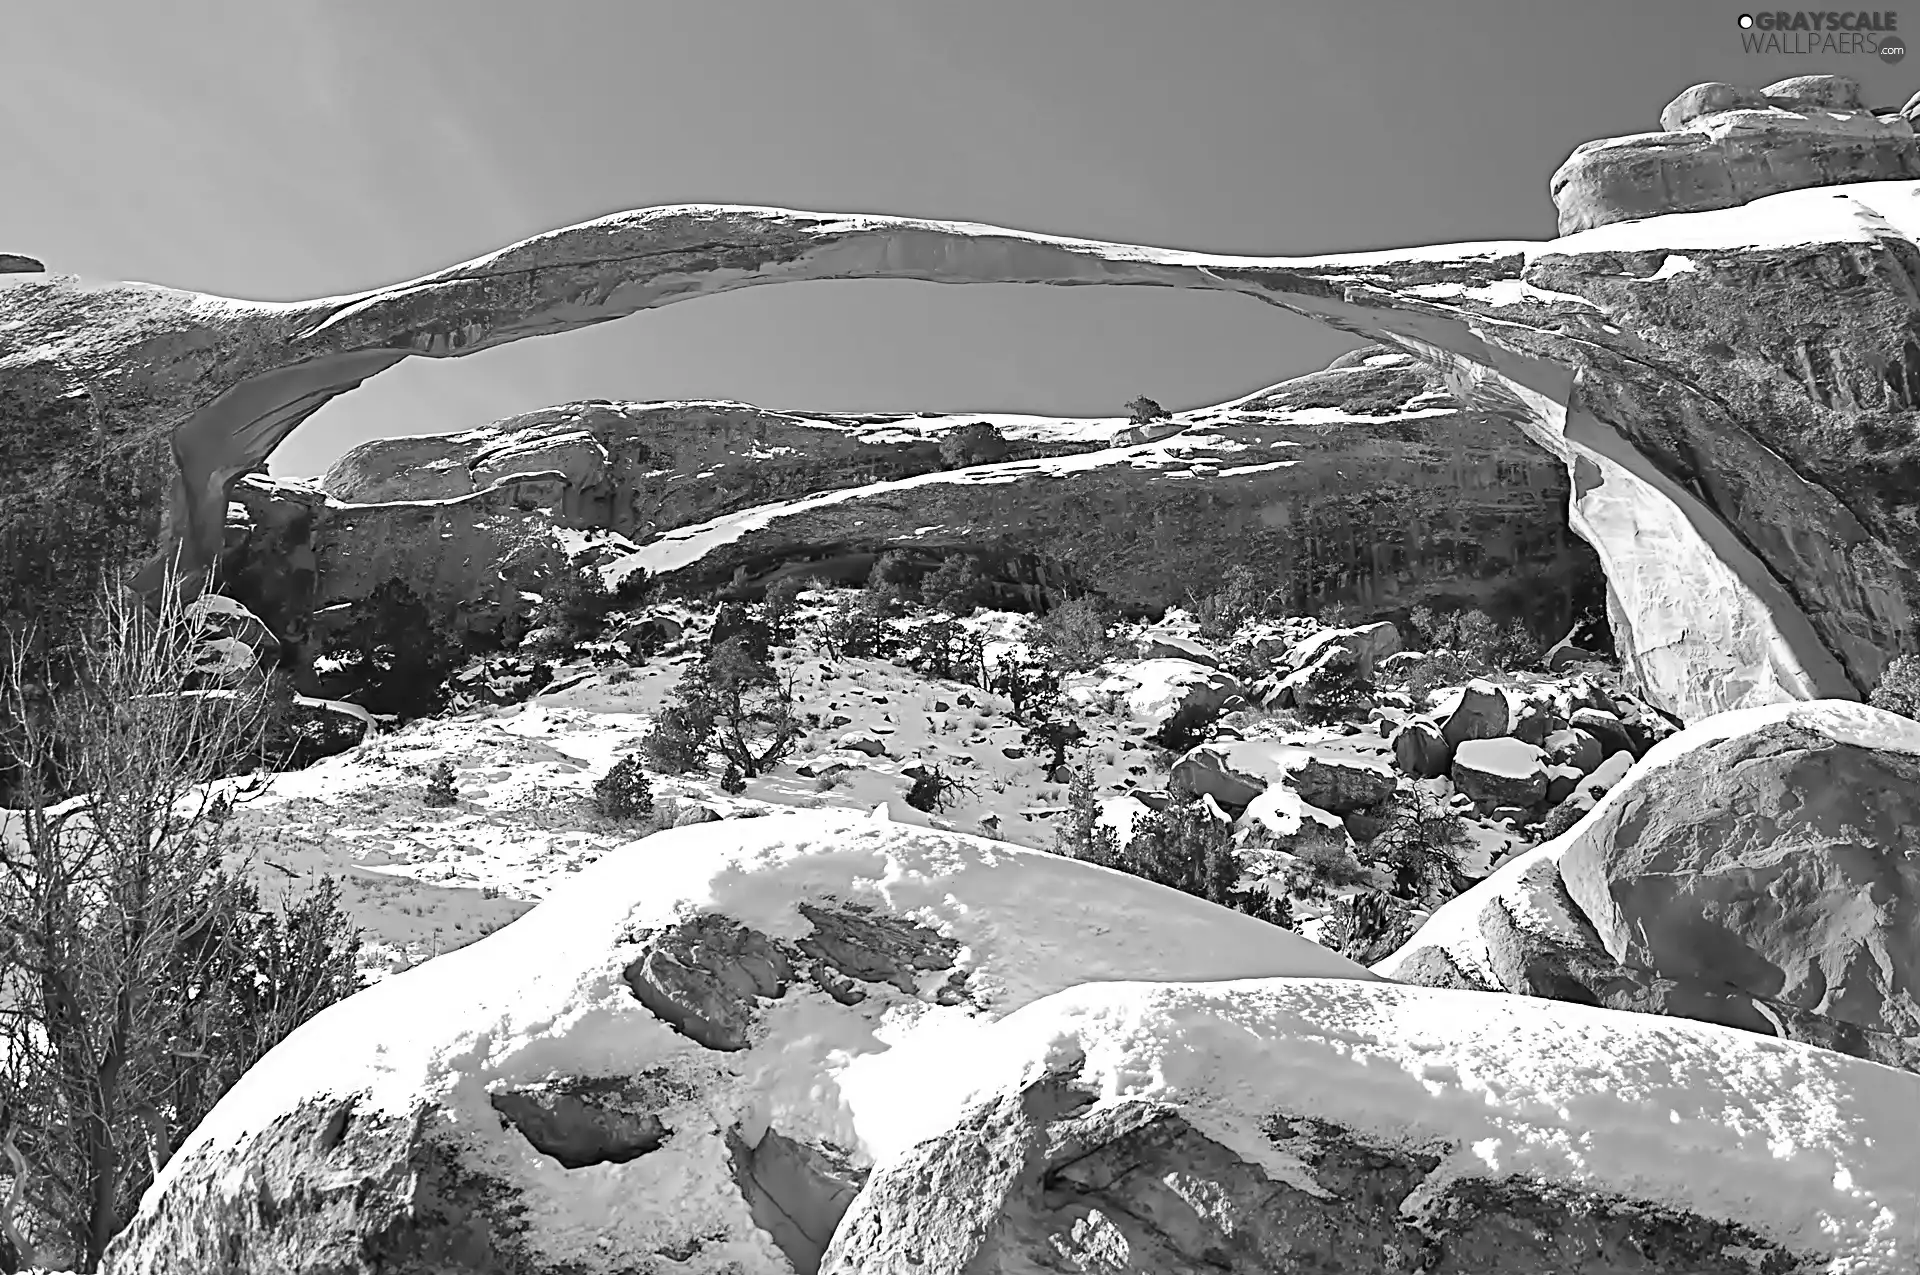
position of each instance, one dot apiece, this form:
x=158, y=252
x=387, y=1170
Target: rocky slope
x=1731, y=390
x=1367, y=482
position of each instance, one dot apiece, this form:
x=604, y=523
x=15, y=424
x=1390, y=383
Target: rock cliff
x=1732, y=391
x=1368, y=481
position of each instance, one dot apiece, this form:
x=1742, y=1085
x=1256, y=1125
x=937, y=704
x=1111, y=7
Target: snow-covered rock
x=1500, y=772
x=663, y=1061
x=1757, y=870
x=1331, y=776
x=1308, y=1124
x=1481, y=712
x=1158, y=690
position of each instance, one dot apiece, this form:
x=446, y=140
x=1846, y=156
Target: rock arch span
x=1736, y=577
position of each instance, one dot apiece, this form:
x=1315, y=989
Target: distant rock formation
x=1733, y=392
x=1759, y=870
x=1723, y=146
x=1365, y=482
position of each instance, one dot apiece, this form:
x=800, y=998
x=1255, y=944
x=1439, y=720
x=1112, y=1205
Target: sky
x=285, y=149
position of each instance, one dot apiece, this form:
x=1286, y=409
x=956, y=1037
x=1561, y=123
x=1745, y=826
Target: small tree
x=1054, y=733
x=1899, y=687
x=441, y=788
x=957, y=586
x=138, y=978
x=1143, y=409
x=1076, y=634
x=1033, y=688
x=945, y=649
x=1421, y=845
x=1082, y=834
x=623, y=794
x=857, y=626
x=1238, y=600
x=780, y=608
x=572, y=610
x=393, y=653
x=731, y=780
x=934, y=790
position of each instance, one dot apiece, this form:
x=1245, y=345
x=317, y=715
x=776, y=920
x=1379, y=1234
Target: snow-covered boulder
x=1157, y=691
x=1281, y=819
x=1159, y=644
x=1607, y=728
x=663, y=1065
x=1500, y=772
x=1760, y=870
x=1421, y=750
x=1335, y=778
x=1367, y=643
x=1480, y=712
x=1574, y=747
x=1320, y=1125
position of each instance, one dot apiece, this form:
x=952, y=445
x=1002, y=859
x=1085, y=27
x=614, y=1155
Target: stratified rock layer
x=1724, y=146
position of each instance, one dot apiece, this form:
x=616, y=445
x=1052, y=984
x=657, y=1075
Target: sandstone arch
x=1742, y=570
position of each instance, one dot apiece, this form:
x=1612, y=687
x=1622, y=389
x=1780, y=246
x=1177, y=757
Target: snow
x=1506, y=756
x=1789, y=1140
x=544, y=997
x=1860, y=212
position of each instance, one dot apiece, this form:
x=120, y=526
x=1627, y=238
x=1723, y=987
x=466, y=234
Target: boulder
x=1562, y=782
x=1367, y=643
x=1159, y=645
x=1280, y=819
x=862, y=741
x=1290, y=1125
x=1160, y=690
x=1574, y=747
x=1756, y=870
x=1501, y=772
x=1532, y=721
x=1605, y=727
x=1482, y=713
x=659, y=1066
x=1421, y=750
x=1731, y=147
x=1334, y=777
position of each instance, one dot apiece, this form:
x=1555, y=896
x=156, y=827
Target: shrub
x=1899, y=687
x=947, y=649
x=934, y=790
x=441, y=789
x=1185, y=730
x=732, y=703
x=1033, y=688
x=1562, y=817
x=1081, y=835
x=734, y=621
x=1075, y=634
x=624, y=794
x=980, y=443
x=1421, y=846
x=857, y=626
x=1143, y=409
x=957, y=586
x=1188, y=848
x=891, y=581
x=1367, y=927
x=573, y=609
x=138, y=977
x=392, y=654
x=731, y=780
x=1054, y=733
x=1238, y=600
x=780, y=609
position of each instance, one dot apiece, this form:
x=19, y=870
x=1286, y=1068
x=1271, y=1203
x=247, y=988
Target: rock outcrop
x=1307, y=1125
x=1723, y=146
x=1759, y=869
x=662, y=1065
x=1365, y=482
x=1732, y=391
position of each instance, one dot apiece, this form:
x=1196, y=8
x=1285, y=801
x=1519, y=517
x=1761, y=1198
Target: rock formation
x=1722, y=146
x=662, y=1066
x=1367, y=481
x=1759, y=870
x=1314, y=1125
x=1732, y=391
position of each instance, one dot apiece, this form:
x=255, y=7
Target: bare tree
x=119, y=923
